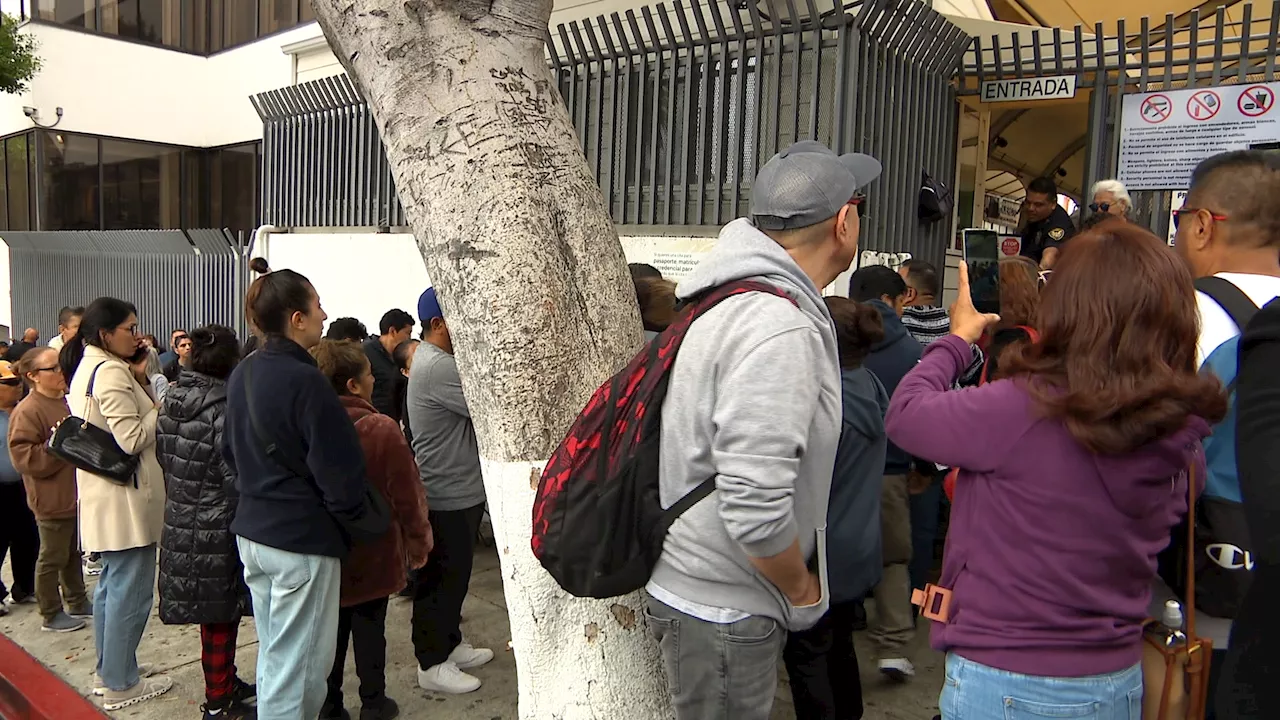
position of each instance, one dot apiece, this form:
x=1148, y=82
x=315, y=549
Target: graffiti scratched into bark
x=517, y=238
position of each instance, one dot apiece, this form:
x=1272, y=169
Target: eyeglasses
x=1177, y=215
x=46, y=369
x=859, y=202
x=1099, y=207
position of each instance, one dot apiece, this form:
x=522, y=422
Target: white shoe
x=145, y=670
x=447, y=678
x=466, y=657
x=897, y=669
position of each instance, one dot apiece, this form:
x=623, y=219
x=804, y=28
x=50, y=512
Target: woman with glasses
x=18, y=536
x=106, y=361
x=51, y=492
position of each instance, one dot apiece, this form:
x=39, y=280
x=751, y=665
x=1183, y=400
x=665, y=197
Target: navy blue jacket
x=298, y=407
x=891, y=359
x=853, y=516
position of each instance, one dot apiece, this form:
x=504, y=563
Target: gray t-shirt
x=444, y=438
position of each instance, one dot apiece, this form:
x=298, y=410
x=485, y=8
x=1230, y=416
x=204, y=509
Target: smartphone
x=138, y=356
x=982, y=253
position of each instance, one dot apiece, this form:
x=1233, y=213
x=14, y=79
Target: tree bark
x=534, y=286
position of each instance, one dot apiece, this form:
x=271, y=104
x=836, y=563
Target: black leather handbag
x=92, y=449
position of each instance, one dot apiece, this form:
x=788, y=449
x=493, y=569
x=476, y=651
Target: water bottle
x=1171, y=621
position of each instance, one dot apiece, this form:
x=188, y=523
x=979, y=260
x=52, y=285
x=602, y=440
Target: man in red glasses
x=1229, y=234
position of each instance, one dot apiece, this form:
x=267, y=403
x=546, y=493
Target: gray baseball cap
x=806, y=184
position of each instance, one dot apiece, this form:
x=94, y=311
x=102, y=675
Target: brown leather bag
x=1175, y=680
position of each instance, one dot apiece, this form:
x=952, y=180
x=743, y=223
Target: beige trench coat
x=115, y=517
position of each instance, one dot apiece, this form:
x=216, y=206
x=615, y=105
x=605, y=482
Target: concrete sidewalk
x=175, y=651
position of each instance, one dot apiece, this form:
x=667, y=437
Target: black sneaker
x=385, y=709
x=229, y=710
x=330, y=711
x=244, y=693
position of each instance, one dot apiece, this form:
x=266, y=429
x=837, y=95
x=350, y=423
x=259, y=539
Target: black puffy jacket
x=201, y=577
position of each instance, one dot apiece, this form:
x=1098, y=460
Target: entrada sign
x=1040, y=88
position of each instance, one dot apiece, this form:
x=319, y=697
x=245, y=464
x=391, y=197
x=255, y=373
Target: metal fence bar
x=682, y=92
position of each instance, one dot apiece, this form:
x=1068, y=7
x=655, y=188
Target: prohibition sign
x=1204, y=105
x=1156, y=109
x=1256, y=101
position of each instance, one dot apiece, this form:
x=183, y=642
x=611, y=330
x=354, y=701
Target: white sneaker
x=466, y=657
x=897, y=669
x=447, y=678
x=145, y=690
x=145, y=670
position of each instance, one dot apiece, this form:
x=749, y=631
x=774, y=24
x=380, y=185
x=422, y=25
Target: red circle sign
x=1255, y=101
x=1011, y=246
x=1204, y=105
x=1156, y=109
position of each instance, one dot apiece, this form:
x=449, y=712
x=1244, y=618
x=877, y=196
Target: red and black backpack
x=598, y=522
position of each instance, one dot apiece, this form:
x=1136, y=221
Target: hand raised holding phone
x=966, y=322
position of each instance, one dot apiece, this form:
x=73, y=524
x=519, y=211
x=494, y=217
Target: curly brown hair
x=340, y=361
x=1116, y=359
x=1019, y=291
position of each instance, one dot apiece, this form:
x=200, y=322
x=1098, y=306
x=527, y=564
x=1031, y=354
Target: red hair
x=1116, y=360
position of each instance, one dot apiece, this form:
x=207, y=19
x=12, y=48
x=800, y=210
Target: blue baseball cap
x=429, y=307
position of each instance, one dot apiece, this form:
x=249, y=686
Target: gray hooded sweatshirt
x=754, y=400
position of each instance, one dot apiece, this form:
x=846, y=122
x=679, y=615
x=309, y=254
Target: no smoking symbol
x=1156, y=108
x=1256, y=101
x=1204, y=105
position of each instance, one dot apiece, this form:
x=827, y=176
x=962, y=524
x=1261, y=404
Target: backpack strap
x=1229, y=298
x=266, y=439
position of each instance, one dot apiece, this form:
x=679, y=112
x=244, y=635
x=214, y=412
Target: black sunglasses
x=1099, y=207
x=859, y=202
x=11, y=382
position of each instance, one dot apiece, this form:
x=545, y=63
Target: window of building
x=141, y=185
x=239, y=22
x=195, y=26
x=199, y=26
x=76, y=13
x=69, y=181
x=18, y=163
x=276, y=15
x=233, y=187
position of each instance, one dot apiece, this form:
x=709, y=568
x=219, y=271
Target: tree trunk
x=534, y=286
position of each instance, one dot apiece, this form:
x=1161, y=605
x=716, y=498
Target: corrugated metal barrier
x=676, y=108
x=173, y=282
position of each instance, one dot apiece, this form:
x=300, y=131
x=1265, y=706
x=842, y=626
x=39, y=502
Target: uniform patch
x=1057, y=233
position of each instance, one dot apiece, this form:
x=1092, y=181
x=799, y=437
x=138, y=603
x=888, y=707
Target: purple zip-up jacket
x=1052, y=549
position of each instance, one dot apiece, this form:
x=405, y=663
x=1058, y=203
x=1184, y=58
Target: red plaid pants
x=218, y=658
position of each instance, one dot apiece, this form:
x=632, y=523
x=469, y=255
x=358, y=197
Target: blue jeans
x=121, y=606
x=977, y=692
x=295, y=608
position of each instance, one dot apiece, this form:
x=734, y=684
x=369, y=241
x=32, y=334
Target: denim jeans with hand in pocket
x=718, y=670
x=977, y=692
x=295, y=609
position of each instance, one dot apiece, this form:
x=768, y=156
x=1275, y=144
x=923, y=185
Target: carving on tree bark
x=517, y=238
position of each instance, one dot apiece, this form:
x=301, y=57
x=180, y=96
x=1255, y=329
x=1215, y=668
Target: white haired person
x=1110, y=197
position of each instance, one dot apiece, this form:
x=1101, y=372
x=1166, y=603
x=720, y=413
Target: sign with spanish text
x=1164, y=135
x=1023, y=89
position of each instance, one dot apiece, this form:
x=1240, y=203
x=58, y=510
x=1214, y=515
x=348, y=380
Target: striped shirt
x=928, y=325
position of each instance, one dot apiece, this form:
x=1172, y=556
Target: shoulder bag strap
x=1191, y=551
x=269, y=445
x=1230, y=298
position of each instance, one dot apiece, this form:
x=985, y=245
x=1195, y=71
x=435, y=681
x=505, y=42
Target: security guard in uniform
x=1048, y=224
